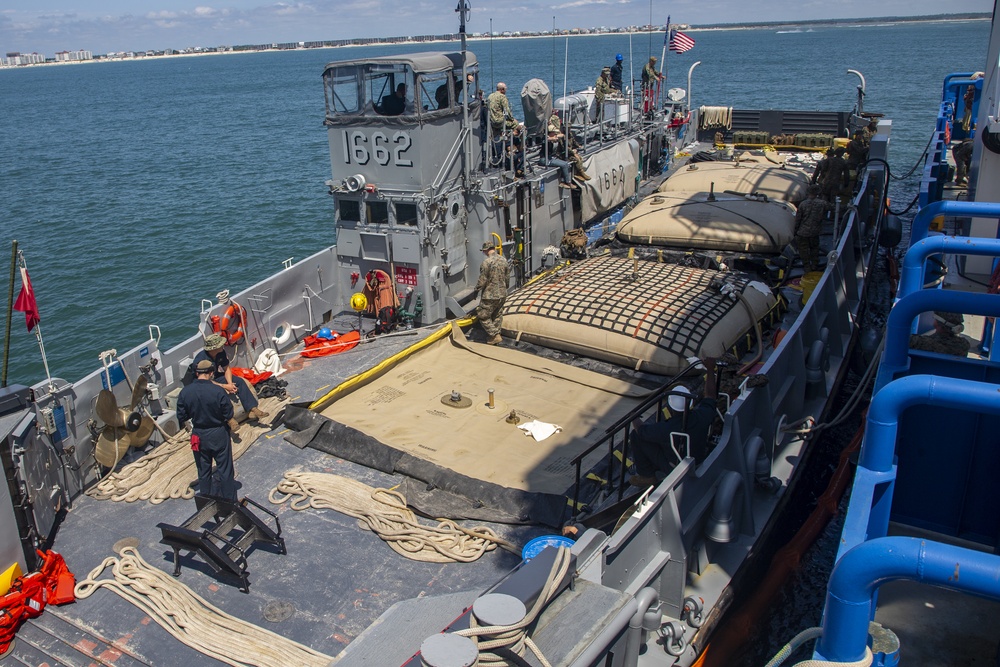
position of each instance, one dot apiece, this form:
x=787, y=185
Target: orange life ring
x=947, y=133
x=234, y=315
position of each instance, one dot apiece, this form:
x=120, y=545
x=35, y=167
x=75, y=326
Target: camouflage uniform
x=808, y=225
x=945, y=339
x=601, y=90
x=835, y=177
x=942, y=342
x=821, y=167
x=963, y=160
x=869, y=131
x=500, y=113
x=649, y=78
x=494, y=276
x=857, y=151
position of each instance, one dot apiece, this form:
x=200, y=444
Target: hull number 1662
x=359, y=149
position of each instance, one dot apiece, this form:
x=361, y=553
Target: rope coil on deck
x=515, y=636
x=169, y=469
x=385, y=512
x=194, y=621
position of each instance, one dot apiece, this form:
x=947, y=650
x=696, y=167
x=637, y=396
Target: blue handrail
x=864, y=568
x=921, y=223
x=912, y=273
x=879, y=446
x=897, y=328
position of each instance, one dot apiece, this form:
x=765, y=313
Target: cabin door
x=34, y=477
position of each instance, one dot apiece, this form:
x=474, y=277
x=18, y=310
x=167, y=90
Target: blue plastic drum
x=535, y=546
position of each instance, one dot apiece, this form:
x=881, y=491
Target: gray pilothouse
x=420, y=181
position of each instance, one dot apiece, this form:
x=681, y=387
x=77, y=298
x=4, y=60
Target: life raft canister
x=232, y=325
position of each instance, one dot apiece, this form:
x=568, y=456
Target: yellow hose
x=356, y=380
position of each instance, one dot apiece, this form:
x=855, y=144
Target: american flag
x=679, y=42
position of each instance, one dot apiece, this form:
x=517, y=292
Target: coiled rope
x=515, y=636
x=169, y=469
x=193, y=620
x=808, y=635
x=385, y=512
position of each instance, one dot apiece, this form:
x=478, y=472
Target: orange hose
x=736, y=632
x=893, y=275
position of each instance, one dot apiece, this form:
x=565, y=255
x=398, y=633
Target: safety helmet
x=678, y=403
x=324, y=333
x=618, y=57
x=359, y=301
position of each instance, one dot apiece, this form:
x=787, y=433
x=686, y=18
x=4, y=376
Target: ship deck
x=336, y=578
x=335, y=581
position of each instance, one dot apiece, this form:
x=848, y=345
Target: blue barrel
x=535, y=546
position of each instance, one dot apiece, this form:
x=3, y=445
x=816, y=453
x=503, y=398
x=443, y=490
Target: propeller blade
x=107, y=409
x=111, y=446
x=141, y=436
x=139, y=391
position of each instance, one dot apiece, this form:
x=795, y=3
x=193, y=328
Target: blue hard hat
x=324, y=333
x=619, y=57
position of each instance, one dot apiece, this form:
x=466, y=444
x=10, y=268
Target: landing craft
x=532, y=438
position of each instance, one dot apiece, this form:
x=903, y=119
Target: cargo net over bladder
x=652, y=313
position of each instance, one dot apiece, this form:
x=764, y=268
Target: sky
x=104, y=26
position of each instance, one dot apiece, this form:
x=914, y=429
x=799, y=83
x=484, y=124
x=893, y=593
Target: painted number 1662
x=359, y=149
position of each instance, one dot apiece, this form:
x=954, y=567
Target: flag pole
x=38, y=332
x=10, y=313
x=663, y=60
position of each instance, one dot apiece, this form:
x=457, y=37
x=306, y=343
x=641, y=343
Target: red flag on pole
x=26, y=301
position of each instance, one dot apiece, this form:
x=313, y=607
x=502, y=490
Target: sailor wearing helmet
x=654, y=457
x=946, y=338
x=616, y=74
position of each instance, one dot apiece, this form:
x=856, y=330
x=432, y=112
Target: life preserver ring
x=947, y=133
x=232, y=326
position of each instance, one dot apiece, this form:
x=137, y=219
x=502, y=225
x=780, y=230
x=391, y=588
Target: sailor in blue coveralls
x=223, y=377
x=208, y=407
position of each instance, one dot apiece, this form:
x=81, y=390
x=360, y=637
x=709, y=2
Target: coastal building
x=16, y=59
x=73, y=56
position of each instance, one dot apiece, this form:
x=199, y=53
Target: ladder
x=221, y=532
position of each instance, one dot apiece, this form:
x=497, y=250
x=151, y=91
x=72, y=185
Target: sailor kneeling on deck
x=651, y=442
x=208, y=407
x=223, y=376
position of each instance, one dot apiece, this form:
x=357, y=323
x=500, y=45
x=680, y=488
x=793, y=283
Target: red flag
x=26, y=301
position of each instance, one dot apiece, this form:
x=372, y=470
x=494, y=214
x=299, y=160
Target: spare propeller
x=123, y=428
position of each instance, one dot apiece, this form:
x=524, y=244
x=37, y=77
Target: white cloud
x=579, y=3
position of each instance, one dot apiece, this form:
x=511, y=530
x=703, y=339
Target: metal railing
x=621, y=429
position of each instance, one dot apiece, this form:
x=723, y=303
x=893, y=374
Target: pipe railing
x=900, y=322
x=858, y=575
x=912, y=273
x=921, y=223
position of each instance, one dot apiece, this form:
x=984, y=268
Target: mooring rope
x=385, y=512
x=169, y=469
x=515, y=636
x=193, y=620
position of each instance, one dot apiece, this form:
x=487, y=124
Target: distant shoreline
x=395, y=41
